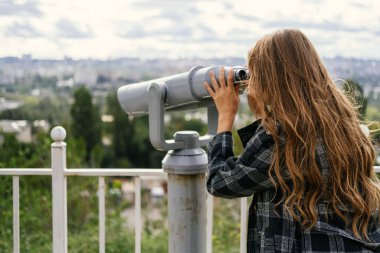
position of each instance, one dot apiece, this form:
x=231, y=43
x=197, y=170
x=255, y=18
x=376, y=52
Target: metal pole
x=187, y=206
x=210, y=218
x=243, y=225
x=138, y=215
x=16, y=214
x=102, y=215
x=58, y=156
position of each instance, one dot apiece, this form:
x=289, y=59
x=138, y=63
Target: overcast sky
x=186, y=28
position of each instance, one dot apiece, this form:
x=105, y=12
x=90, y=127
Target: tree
x=121, y=131
x=354, y=91
x=85, y=120
x=131, y=146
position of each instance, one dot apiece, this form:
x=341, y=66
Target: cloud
x=246, y=17
x=177, y=33
x=11, y=8
x=158, y=29
x=359, y=5
x=315, y=2
x=185, y=13
x=183, y=33
x=133, y=33
x=68, y=29
x=325, y=25
x=23, y=30
x=163, y=4
x=182, y=28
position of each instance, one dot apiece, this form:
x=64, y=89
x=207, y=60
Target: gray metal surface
x=156, y=96
x=187, y=213
x=187, y=206
x=182, y=91
x=189, y=160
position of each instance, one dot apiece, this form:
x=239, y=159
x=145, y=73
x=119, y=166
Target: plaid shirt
x=270, y=228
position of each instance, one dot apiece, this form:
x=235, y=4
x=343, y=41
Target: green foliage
x=179, y=123
x=354, y=91
x=130, y=139
x=27, y=85
x=25, y=155
x=6, y=214
x=76, y=153
x=373, y=113
x=121, y=128
x=226, y=230
x=42, y=82
x=85, y=120
x=35, y=199
x=55, y=111
x=238, y=146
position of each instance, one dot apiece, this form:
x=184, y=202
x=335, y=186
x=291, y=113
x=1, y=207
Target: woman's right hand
x=226, y=99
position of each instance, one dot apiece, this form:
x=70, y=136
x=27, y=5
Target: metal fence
x=59, y=174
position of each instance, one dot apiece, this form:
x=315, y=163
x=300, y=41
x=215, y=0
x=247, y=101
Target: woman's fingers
x=214, y=83
x=230, y=80
x=209, y=89
x=222, y=80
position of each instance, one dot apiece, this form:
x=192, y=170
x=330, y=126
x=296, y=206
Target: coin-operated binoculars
x=186, y=162
x=177, y=92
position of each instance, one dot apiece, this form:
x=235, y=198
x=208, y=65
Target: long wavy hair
x=307, y=106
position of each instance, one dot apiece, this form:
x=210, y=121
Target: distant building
x=85, y=76
x=66, y=83
x=41, y=124
x=20, y=128
x=373, y=91
x=376, y=92
x=6, y=104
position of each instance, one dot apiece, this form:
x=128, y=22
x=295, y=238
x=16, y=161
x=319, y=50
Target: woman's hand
x=226, y=99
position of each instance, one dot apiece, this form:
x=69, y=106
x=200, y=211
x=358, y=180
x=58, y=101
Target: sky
x=101, y=29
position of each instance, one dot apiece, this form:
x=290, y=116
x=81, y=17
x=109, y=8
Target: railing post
x=16, y=214
x=210, y=219
x=243, y=225
x=102, y=215
x=186, y=195
x=59, y=197
x=138, y=224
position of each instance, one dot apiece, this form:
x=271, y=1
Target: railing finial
x=58, y=134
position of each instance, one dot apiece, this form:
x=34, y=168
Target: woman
x=306, y=160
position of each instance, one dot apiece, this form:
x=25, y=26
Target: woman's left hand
x=226, y=99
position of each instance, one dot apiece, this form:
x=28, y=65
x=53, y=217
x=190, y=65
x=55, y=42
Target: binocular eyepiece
x=182, y=91
x=241, y=75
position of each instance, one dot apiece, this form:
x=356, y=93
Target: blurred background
x=61, y=63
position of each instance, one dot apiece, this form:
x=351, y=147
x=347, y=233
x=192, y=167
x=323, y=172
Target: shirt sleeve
x=231, y=177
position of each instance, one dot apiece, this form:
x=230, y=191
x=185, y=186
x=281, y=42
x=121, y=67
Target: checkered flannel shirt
x=270, y=228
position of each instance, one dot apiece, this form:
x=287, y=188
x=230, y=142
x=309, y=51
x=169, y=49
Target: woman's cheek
x=255, y=106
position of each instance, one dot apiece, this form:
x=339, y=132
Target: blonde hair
x=306, y=106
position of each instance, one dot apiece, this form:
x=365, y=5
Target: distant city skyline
x=82, y=29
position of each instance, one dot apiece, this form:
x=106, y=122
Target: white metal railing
x=59, y=173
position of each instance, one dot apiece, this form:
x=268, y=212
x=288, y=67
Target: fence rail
x=59, y=174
